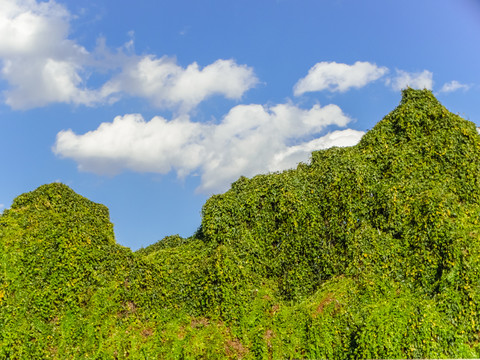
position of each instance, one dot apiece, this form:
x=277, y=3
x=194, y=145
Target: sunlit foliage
x=367, y=252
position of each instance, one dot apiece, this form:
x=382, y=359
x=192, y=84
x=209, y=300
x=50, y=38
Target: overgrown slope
x=367, y=252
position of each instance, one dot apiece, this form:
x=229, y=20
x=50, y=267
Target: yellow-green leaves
x=371, y=251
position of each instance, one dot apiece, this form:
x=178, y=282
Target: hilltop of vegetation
x=371, y=251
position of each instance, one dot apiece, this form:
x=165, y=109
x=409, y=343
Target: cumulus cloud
x=38, y=82
x=404, y=79
x=29, y=27
x=339, y=77
x=129, y=142
x=38, y=61
x=250, y=139
x=454, y=86
x=169, y=85
x=42, y=65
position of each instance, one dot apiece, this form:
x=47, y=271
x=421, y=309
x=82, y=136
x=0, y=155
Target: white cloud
x=298, y=153
x=404, y=79
x=169, y=85
x=339, y=77
x=250, y=139
x=41, y=65
x=454, y=86
x=38, y=61
x=28, y=27
x=38, y=82
x=129, y=142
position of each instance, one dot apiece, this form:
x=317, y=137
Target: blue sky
x=150, y=107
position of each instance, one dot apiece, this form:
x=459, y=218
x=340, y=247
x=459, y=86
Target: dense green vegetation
x=371, y=251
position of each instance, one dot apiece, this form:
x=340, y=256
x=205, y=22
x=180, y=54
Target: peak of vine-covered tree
x=368, y=251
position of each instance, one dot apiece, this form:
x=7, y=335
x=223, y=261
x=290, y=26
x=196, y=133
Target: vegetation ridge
x=370, y=251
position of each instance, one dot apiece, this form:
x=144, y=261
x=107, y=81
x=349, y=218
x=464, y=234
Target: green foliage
x=171, y=241
x=371, y=251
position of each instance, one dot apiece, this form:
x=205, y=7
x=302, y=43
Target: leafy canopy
x=370, y=251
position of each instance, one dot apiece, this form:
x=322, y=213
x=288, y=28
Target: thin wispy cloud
x=454, y=85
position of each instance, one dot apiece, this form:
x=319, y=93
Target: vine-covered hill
x=370, y=251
